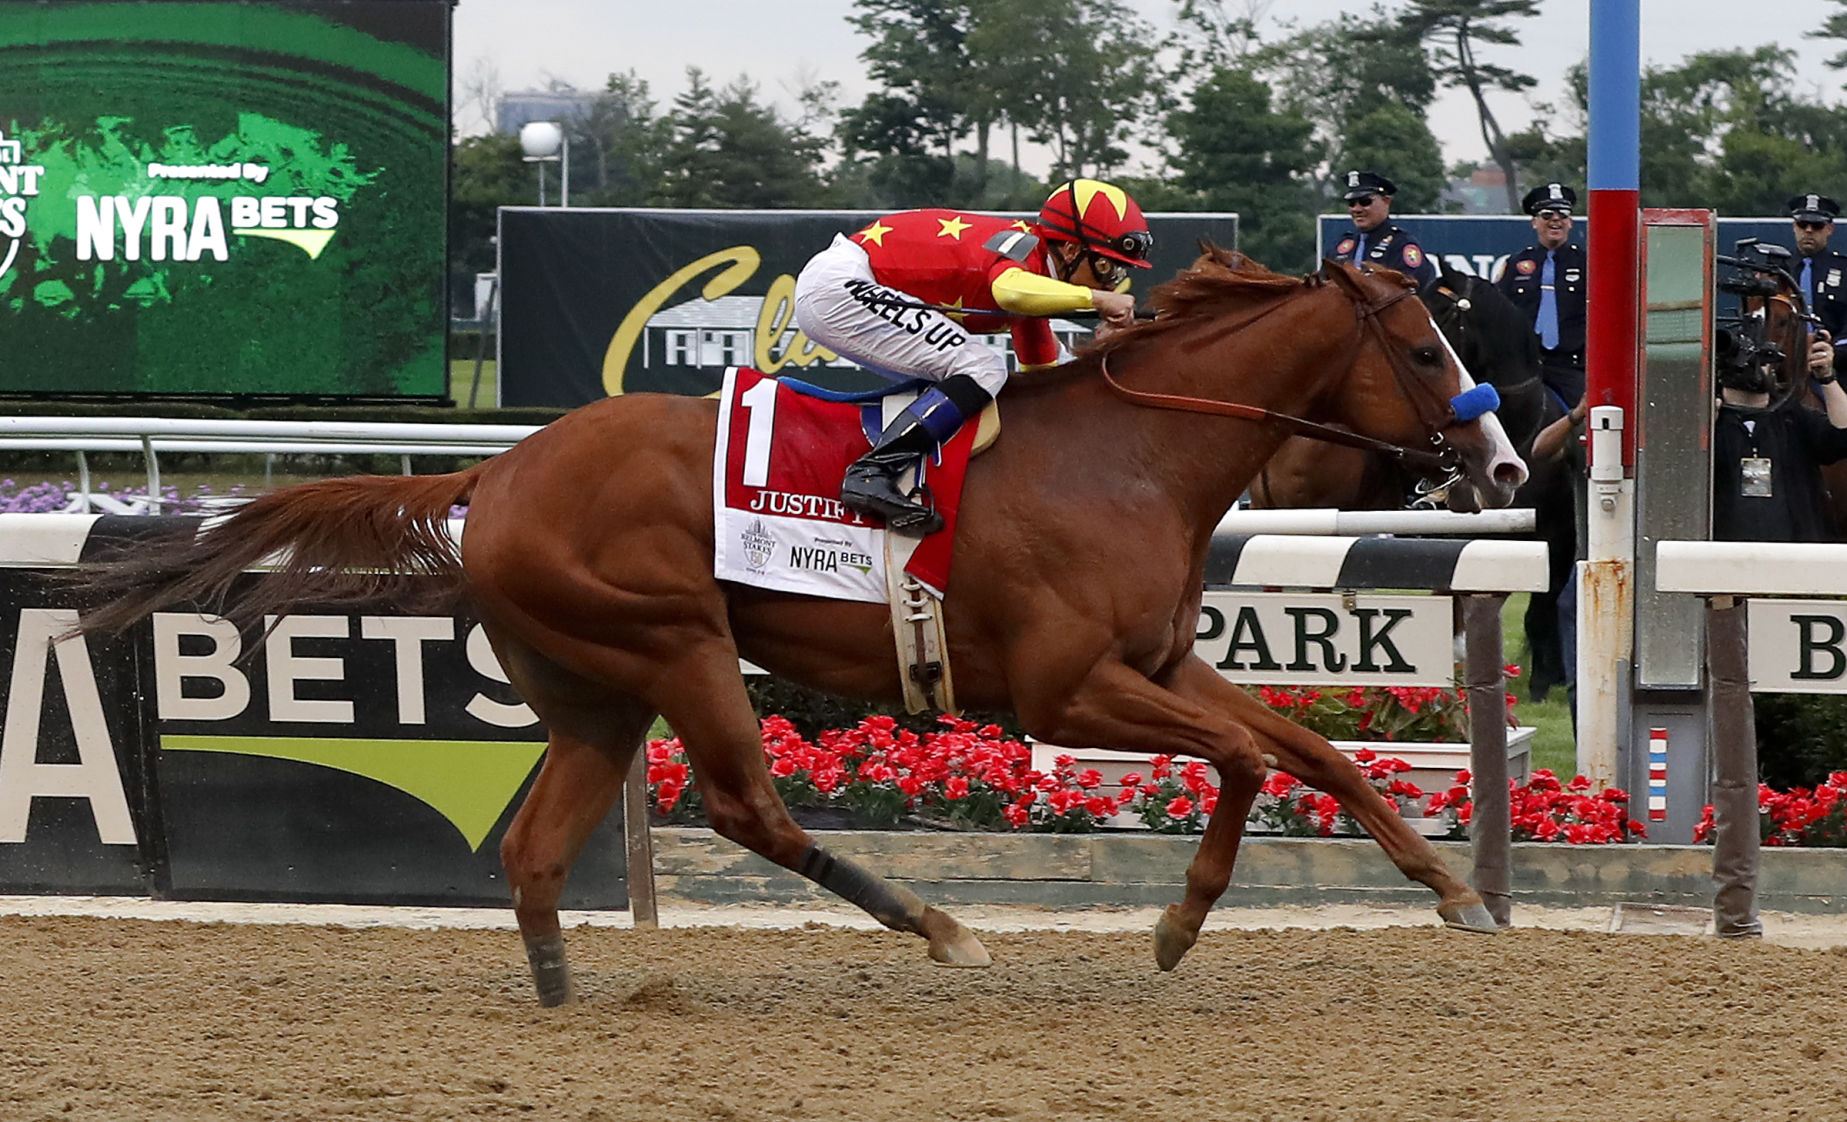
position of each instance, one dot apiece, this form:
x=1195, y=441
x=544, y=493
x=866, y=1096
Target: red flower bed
x=1798, y=816
x=1545, y=810
x=877, y=775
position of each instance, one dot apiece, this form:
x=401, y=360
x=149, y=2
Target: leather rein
x=1434, y=414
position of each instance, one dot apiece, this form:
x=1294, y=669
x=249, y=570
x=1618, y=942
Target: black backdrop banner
x=354, y=754
x=601, y=302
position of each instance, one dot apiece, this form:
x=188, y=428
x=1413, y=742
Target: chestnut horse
x=1078, y=572
x=1496, y=344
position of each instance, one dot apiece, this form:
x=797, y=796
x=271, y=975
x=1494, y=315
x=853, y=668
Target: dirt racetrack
x=141, y=1021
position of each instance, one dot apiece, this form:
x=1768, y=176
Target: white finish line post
x=1756, y=642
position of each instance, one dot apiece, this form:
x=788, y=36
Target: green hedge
x=1801, y=738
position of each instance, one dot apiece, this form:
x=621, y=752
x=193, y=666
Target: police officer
x=1373, y=238
x=1547, y=282
x=1822, y=272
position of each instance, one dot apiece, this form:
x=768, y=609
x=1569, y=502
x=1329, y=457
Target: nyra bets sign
x=224, y=198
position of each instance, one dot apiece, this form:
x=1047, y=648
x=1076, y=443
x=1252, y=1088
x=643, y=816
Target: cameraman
x=1766, y=478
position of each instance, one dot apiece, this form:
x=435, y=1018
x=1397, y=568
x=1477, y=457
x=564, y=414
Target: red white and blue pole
x=1606, y=594
x=1614, y=179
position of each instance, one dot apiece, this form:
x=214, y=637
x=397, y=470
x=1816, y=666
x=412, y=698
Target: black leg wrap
x=551, y=971
x=895, y=907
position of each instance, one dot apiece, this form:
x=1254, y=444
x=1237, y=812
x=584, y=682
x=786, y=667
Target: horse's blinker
x=1473, y=403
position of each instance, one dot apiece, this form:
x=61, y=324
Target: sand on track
x=149, y=1020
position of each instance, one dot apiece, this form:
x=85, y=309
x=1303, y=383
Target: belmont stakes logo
x=759, y=546
x=18, y=187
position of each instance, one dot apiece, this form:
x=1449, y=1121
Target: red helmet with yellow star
x=1099, y=216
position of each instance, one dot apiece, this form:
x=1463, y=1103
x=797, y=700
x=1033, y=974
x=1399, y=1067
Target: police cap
x=1362, y=183
x=1551, y=196
x=1814, y=208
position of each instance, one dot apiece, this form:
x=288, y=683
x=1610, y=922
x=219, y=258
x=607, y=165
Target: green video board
x=224, y=198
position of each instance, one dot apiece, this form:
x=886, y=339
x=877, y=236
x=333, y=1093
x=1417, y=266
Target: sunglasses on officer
x=1812, y=224
x=1362, y=202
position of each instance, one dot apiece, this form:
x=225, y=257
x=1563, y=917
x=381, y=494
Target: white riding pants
x=839, y=305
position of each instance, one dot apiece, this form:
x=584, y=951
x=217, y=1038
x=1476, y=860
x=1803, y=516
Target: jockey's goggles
x=1108, y=271
x=1130, y=247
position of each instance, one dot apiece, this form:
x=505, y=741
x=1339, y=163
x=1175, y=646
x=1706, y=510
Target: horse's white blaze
x=1500, y=449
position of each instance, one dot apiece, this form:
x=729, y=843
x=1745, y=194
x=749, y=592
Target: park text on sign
x=1287, y=638
x=1798, y=646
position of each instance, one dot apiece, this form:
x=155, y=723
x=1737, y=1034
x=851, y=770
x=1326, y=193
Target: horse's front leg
x=1117, y=707
x=1319, y=764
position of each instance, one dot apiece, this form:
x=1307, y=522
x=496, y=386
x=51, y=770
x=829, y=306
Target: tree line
x=1242, y=113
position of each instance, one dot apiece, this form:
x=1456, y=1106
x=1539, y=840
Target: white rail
x=1342, y=523
x=151, y=436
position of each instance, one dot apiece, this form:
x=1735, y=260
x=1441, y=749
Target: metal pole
x=1606, y=617
x=493, y=302
x=564, y=170
x=1491, y=821
x=639, y=844
x=153, y=468
x=1734, y=766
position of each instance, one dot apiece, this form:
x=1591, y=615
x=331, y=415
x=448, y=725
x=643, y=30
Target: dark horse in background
x=1078, y=573
x=1495, y=342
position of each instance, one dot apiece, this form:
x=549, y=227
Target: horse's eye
x=1429, y=356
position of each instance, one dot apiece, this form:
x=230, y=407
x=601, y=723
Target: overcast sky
x=783, y=44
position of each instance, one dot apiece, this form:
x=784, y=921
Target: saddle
x=916, y=613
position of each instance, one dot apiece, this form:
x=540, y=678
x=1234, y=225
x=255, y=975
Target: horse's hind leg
x=705, y=702
x=594, y=734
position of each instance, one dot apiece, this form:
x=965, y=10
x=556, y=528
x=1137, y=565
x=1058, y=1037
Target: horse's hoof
x=1469, y=917
x=961, y=949
x=1171, y=940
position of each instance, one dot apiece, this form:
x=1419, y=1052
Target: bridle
x=1434, y=413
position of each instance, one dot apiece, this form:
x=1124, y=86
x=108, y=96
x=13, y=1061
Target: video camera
x=1745, y=356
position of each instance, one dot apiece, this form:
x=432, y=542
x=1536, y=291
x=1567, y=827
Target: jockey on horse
x=880, y=296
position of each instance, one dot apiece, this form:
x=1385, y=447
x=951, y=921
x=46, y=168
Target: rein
x=1441, y=459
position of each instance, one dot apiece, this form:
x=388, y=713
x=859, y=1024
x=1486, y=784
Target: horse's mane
x=1220, y=280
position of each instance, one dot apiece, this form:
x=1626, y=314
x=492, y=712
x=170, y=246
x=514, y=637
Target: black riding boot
x=871, y=484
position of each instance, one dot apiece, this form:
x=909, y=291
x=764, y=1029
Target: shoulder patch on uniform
x=1345, y=246
x=1525, y=266
x=1413, y=256
x=1015, y=245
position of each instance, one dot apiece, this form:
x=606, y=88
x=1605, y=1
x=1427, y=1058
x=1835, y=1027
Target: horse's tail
x=336, y=541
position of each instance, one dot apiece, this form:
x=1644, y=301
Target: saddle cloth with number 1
x=776, y=495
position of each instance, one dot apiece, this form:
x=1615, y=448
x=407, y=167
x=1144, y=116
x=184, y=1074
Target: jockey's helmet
x=1099, y=216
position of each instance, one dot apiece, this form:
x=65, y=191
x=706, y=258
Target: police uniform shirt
x=1521, y=282
x=1394, y=248
x=1828, y=280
